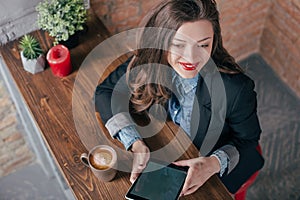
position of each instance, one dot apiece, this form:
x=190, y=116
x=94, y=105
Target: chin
x=188, y=74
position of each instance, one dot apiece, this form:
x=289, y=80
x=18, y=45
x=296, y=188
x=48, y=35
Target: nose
x=191, y=54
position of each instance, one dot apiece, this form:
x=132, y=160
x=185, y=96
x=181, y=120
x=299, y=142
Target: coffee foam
x=101, y=159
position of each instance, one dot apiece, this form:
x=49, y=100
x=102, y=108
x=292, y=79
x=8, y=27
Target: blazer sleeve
x=243, y=119
x=114, y=86
x=245, y=134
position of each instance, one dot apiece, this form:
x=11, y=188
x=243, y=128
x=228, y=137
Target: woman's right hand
x=141, y=155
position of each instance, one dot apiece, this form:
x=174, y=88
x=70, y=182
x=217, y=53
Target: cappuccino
x=101, y=159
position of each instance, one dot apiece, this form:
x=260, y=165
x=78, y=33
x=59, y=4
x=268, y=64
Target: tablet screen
x=158, y=182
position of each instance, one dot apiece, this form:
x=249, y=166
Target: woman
x=187, y=51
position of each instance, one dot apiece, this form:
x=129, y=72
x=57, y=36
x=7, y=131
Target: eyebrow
x=197, y=41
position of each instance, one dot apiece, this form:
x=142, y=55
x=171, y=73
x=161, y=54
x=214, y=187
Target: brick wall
x=120, y=15
x=14, y=151
x=280, y=43
x=242, y=21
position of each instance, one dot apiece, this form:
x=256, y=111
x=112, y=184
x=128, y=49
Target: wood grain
x=49, y=100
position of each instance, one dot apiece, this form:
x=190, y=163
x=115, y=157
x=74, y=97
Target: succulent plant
x=30, y=46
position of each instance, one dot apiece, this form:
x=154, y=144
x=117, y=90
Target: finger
x=182, y=163
x=139, y=162
x=142, y=160
x=188, y=181
x=133, y=177
x=136, y=170
x=191, y=190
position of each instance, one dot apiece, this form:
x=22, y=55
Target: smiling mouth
x=189, y=66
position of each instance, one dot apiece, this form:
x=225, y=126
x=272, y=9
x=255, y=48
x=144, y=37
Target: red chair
x=241, y=193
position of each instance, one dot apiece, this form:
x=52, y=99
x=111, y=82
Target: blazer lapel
x=209, y=111
x=201, y=113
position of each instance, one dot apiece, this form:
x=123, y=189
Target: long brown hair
x=170, y=15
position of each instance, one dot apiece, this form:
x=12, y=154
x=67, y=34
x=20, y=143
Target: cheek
x=203, y=55
x=209, y=50
x=206, y=57
x=172, y=58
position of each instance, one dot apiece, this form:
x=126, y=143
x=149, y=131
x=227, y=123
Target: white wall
x=17, y=17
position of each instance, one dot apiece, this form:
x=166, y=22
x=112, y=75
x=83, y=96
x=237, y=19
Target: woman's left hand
x=200, y=170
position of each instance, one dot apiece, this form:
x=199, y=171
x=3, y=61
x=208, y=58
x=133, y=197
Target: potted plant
x=31, y=54
x=62, y=19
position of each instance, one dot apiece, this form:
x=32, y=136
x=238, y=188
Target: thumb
x=133, y=176
x=181, y=163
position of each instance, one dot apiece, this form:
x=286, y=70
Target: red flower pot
x=59, y=60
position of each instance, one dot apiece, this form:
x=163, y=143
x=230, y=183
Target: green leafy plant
x=61, y=18
x=30, y=46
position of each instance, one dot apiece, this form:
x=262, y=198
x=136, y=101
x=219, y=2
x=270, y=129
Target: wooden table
x=49, y=99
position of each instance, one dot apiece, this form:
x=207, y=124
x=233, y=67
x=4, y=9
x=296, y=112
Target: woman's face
x=191, y=48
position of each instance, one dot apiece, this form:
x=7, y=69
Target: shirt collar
x=188, y=84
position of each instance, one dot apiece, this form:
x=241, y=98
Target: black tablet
x=158, y=181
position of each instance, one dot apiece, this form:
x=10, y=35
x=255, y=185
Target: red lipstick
x=188, y=66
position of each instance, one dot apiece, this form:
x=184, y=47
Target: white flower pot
x=34, y=65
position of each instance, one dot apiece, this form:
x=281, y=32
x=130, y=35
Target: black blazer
x=240, y=126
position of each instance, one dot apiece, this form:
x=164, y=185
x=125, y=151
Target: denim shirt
x=181, y=103
x=180, y=109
